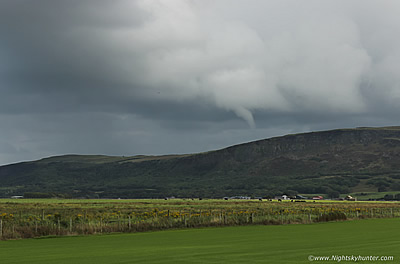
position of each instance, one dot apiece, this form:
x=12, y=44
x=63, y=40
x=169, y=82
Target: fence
x=58, y=222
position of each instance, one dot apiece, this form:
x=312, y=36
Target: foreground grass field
x=244, y=244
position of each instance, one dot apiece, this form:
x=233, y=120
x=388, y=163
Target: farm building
x=319, y=197
x=17, y=197
x=350, y=198
x=282, y=197
x=238, y=197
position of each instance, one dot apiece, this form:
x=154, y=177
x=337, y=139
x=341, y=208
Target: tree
x=388, y=197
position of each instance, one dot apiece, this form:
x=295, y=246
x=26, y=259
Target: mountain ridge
x=332, y=161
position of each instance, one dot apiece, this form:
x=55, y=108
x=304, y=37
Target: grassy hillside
x=248, y=244
x=332, y=162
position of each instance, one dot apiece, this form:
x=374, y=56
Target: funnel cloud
x=183, y=76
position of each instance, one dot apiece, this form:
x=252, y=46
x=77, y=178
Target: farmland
x=27, y=218
x=243, y=244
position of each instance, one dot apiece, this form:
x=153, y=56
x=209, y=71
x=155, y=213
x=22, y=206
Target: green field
x=245, y=244
x=371, y=195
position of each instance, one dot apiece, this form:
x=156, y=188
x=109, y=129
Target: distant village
x=285, y=197
x=279, y=198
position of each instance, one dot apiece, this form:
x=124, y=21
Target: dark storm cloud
x=152, y=76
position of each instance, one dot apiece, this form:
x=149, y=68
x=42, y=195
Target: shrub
x=331, y=216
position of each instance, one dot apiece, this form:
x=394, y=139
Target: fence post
x=129, y=222
x=70, y=225
x=184, y=217
x=1, y=228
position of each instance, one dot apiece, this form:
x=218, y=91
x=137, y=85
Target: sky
x=129, y=77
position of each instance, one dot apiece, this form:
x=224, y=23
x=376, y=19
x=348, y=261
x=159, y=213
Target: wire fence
x=19, y=223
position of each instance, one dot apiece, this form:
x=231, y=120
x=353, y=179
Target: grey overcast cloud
x=184, y=76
